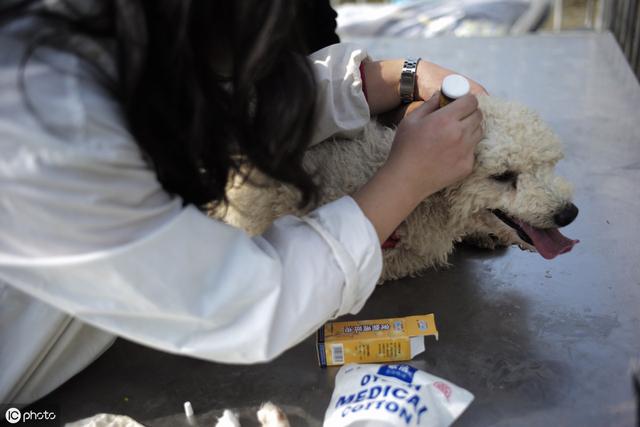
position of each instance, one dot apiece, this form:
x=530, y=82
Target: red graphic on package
x=444, y=388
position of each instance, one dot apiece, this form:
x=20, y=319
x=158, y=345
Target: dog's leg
x=228, y=419
x=270, y=415
x=485, y=241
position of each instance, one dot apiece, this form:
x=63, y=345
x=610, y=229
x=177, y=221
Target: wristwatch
x=408, y=80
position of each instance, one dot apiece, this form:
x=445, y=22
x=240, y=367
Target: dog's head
x=513, y=191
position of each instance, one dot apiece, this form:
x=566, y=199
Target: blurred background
x=465, y=18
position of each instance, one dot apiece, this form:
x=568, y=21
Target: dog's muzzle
x=549, y=242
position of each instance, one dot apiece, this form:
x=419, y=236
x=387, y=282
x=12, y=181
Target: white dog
x=511, y=197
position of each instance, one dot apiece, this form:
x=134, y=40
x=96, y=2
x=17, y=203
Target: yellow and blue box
x=374, y=341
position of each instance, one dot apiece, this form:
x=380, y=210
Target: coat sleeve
x=198, y=287
x=341, y=108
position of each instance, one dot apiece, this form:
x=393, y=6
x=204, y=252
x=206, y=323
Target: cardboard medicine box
x=373, y=341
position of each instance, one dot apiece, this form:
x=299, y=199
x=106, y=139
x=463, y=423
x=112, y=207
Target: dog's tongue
x=549, y=242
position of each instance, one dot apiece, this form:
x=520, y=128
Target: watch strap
x=408, y=80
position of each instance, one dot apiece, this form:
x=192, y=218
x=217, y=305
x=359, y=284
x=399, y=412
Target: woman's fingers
x=463, y=107
x=473, y=120
x=477, y=135
x=410, y=108
x=430, y=105
x=472, y=125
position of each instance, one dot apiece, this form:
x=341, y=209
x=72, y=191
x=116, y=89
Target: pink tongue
x=549, y=242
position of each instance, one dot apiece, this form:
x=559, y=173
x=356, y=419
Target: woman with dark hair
x=121, y=119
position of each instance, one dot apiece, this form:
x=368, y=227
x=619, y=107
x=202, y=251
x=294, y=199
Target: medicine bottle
x=454, y=86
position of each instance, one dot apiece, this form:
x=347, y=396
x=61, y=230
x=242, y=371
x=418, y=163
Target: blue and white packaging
x=393, y=395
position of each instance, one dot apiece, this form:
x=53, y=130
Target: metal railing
x=622, y=18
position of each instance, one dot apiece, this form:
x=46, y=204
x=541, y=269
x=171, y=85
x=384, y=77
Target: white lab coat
x=91, y=247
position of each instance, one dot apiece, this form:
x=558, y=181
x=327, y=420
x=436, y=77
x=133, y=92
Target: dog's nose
x=566, y=215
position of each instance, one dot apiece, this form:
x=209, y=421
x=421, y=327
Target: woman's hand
x=429, y=77
x=433, y=148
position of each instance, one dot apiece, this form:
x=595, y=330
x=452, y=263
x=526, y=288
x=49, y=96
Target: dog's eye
x=508, y=176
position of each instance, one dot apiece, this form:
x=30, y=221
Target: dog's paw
x=485, y=241
x=270, y=415
x=228, y=419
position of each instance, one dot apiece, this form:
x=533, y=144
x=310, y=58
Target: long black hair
x=205, y=85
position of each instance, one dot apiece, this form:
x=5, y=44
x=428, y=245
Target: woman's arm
x=383, y=83
x=342, y=108
x=432, y=149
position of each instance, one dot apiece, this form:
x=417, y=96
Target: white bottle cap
x=188, y=409
x=455, y=86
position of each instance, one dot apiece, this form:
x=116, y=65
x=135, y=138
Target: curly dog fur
x=513, y=175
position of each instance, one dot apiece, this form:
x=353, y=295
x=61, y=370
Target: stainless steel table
x=538, y=342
